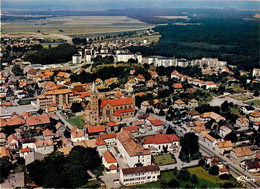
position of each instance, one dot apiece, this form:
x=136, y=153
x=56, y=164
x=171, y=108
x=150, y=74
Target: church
x=105, y=110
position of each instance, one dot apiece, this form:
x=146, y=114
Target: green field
x=256, y=102
x=77, y=121
x=204, y=179
x=72, y=25
x=164, y=159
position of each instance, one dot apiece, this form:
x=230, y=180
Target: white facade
x=124, y=57
x=182, y=63
x=76, y=59
x=140, y=176
x=161, y=61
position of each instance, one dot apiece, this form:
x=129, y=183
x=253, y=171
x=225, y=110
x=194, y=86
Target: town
x=135, y=117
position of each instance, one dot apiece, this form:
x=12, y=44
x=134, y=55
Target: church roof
x=116, y=102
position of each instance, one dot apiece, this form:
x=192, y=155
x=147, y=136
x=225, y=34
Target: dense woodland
x=61, y=53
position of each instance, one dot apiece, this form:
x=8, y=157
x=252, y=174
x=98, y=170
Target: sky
x=119, y=4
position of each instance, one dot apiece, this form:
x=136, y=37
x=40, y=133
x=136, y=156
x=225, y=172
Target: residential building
x=242, y=123
x=61, y=97
x=207, y=116
x=251, y=165
x=132, y=151
x=161, y=61
x=109, y=162
x=237, y=155
x=223, y=131
x=255, y=116
x=139, y=175
x=44, y=146
x=157, y=125
x=162, y=143
x=223, y=146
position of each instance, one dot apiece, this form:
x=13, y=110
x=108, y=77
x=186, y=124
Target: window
x=107, y=112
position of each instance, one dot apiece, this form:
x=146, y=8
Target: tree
x=231, y=136
x=214, y=170
x=184, y=175
x=224, y=177
x=76, y=107
x=256, y=93
x=194, y=179
x=5, y=166
x=174, y=184
x=201, y=162
x=190, y=146
x=227, y=185
x=163, y=183
x=17, y=70
x=161, y=113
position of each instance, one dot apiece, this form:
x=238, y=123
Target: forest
x=233, y=40
x=59, y=54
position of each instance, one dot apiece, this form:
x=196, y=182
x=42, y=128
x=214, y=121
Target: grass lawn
x=77, y=120
x=164, y=159
x=46, y=45
x=256, y=102
x=25, y=102
x=204, y=178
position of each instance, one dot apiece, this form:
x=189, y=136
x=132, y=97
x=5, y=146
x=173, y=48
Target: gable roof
x=96, y=129
x=177, y=85
x=131, y=129
x=38, y=120
x=157, y=122
x=161, y=139
x=224, y=144
x=15, y=120
x=242, y=151
x=141, y=169
x=116, y=102
x=109, y=157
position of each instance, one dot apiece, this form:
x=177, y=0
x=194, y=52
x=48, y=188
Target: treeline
x=232, y=40
x=59, y=54
x=59, y=171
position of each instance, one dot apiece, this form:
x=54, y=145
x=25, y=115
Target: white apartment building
x=139, y=175
x=161, y=61
x=76, y=59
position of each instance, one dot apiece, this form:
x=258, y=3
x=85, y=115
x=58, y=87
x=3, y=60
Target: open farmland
x=72, y=25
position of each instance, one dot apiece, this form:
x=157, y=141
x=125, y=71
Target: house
x=109, y=139
x=209, y=140
x=162, y=143
x=223, y=146
x=237, y=155
x=223, y=131
x=242, y=123
x=193, y=103
x=15, y=120
x=28, y=143
x=48, y=134
x=247, y=109
x=214, y=160
x=256, y=125
x=223, y=170
x=112, y=126
x=139, y=175
x=207, y=116
x=44, y=146
x=2, y=138
x=101, y=146
x=157, y=125
x=132, y=151
x=210, y=85
x=12, y=142
x=251, y=165
x=109, y=162
x=77, y=136
x=193, y=114
x=130, y=129
x=96, y=130
x=255, y=116
x=150, y=83
x=179, y=104
x=24, y=152
x=178, y=87
x=60, y=127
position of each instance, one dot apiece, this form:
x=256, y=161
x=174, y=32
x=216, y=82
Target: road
x=235, y=170
x=63, y=120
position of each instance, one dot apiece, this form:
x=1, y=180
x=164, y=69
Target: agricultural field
x=72, y=25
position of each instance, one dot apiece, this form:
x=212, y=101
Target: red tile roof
x=116, y=102
x=111, y=124
x=100, y=142
x=161, y=139
x=11, y=137
x=131, y=129
x=15, y=120
x=157, y=122
x=47, y=132
x=25, y=150
x=112, y=167
x=3, y=122
x=25, y=114
x=38, y=120
x=108, y=136
x=96, y=129
x=140, y=76
x=109, y=157
x=118, y=112
x=76, y=134
x=86, y=94
x=177, y=85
